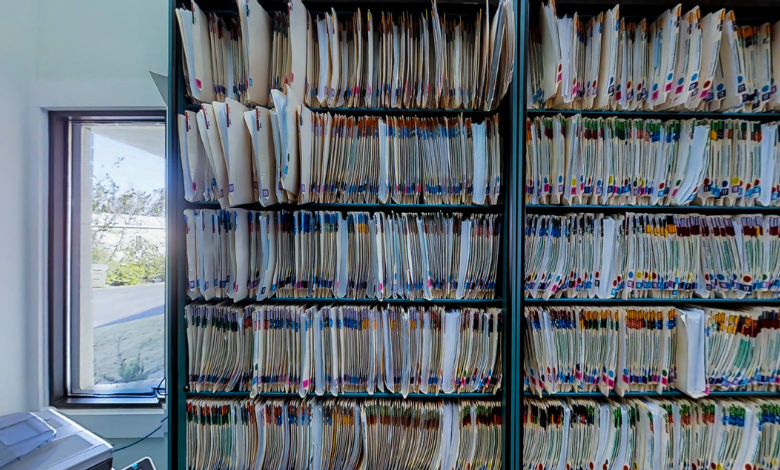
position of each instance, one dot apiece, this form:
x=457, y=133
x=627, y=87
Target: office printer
x=71, y=448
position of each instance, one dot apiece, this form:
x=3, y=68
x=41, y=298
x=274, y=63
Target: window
x=107, y=257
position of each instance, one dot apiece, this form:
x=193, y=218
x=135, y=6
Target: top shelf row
x=231, y=7
x=683, y=60
x=384, y=111
x=393, y=59
x=271, y=5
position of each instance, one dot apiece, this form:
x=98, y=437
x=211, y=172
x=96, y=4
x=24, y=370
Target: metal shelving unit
x=507, y=282
x=746, y=12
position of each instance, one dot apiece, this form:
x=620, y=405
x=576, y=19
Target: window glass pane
x=122, y=284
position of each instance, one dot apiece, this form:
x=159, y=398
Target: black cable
x=159, y=388
x=143, y=438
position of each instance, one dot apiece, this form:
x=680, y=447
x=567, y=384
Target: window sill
x=109, y=403
x=121, y=422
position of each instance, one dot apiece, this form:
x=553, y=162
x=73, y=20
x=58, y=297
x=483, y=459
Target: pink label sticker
x=198, y=83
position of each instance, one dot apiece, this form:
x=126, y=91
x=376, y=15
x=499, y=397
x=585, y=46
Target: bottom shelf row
x=344, y=434
x=651, y=434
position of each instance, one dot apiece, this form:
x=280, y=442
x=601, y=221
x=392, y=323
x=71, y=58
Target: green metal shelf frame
x=512, y=128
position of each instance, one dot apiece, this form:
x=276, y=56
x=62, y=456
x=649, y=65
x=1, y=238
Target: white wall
x=55, y=54
x=98, y=53
x=16, y=67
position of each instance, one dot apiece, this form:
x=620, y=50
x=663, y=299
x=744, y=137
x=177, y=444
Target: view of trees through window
x=130, y=260
x=127, y=251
